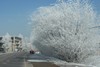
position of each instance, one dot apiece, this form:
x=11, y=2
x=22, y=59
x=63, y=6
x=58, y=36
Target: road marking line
x=24, y=63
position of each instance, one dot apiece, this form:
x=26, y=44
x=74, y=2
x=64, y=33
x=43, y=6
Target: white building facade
x=11, y=43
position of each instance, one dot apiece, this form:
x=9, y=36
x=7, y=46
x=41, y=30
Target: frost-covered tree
x=7, y=41
x=26, y=44
x=64, y=30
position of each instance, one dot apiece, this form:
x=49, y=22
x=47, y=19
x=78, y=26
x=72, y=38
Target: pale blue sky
x=14, y=14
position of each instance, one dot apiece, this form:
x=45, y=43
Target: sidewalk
x=44, y=64
x=27, y=64
x=39, y=64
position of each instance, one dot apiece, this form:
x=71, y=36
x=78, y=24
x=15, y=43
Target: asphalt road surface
x=19, y=59
x=13, y=59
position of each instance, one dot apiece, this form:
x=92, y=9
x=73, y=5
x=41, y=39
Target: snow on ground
x=65, y=64
x=93, y=60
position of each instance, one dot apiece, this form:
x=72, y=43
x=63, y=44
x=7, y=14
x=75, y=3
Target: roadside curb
x=27, y=64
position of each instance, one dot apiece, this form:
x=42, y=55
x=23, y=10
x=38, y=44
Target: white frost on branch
x=63, y=30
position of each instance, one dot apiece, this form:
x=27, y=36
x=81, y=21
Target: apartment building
x=10, y=44
x=16, y=44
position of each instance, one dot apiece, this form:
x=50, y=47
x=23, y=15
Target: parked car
x=37, y=52
x=32, y=51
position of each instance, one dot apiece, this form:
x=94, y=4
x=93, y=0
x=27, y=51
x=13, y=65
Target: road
x=20, y=59
x=13, y=59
